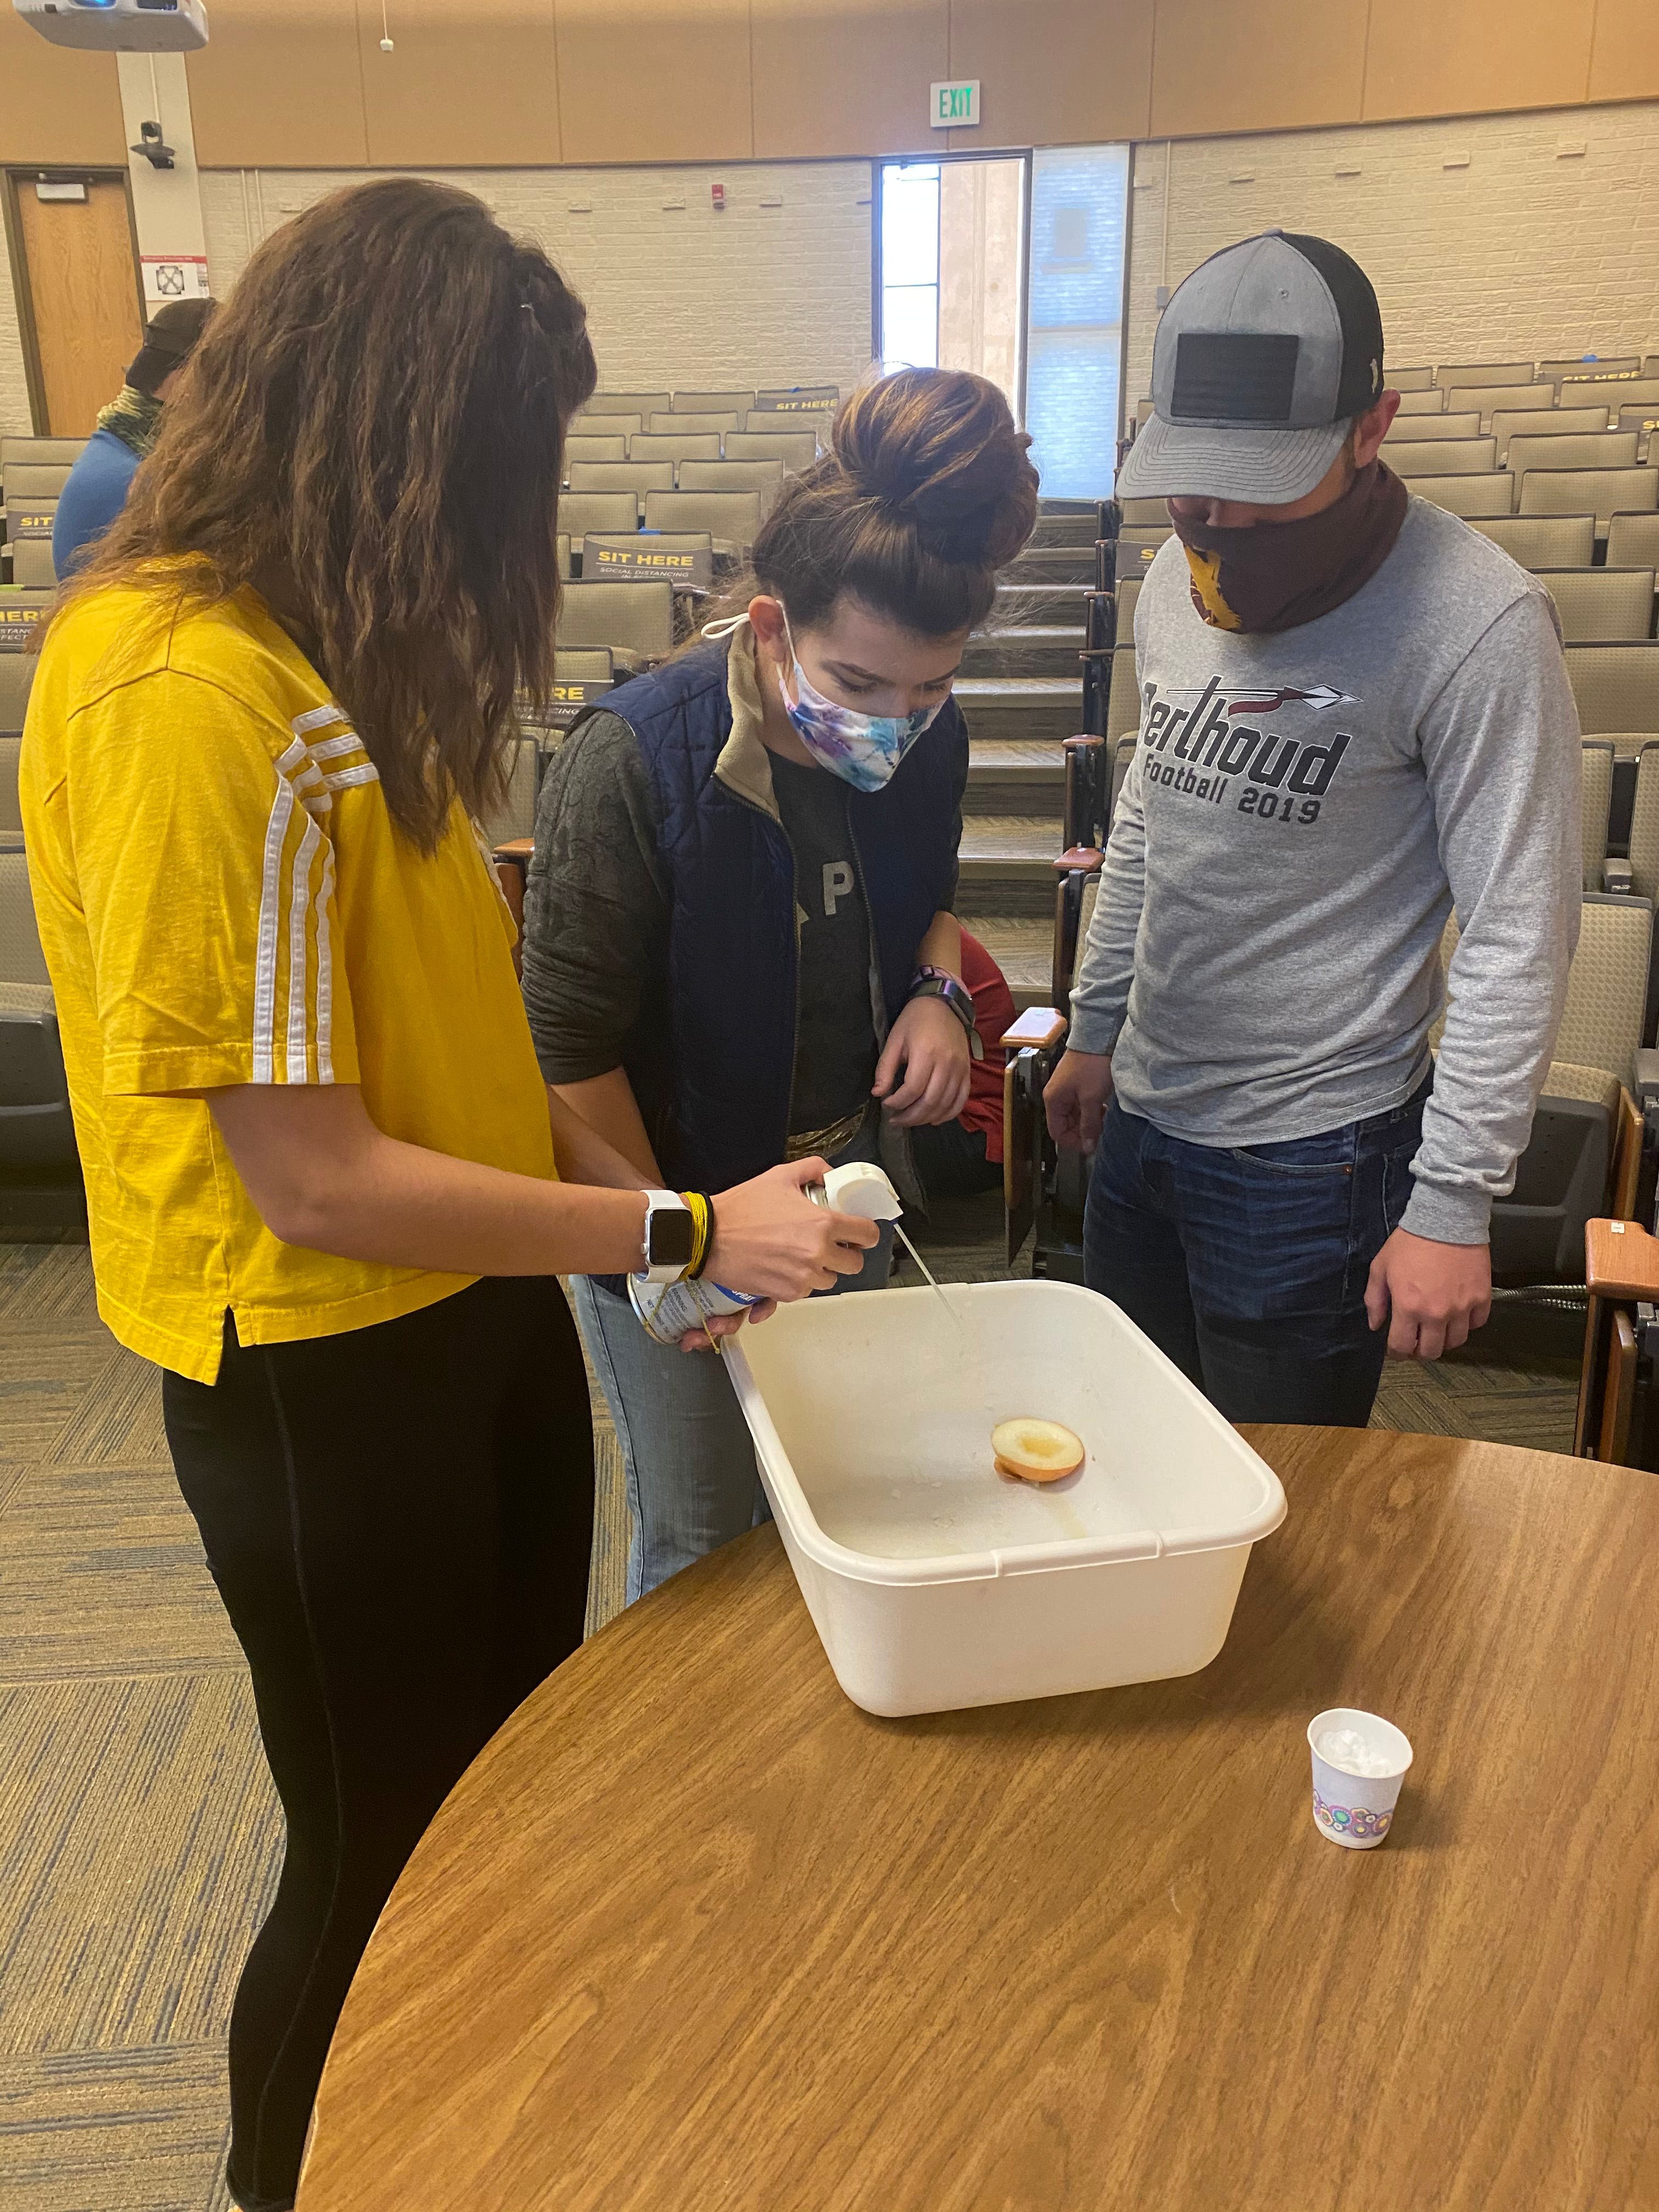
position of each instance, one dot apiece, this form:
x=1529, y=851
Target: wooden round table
x=696, y=1935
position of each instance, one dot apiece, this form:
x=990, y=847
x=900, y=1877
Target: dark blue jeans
x=1247, y=1266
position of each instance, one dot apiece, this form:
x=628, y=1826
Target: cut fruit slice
x=1035, y=1451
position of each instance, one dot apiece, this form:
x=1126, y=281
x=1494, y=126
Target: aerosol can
x=669, y=1311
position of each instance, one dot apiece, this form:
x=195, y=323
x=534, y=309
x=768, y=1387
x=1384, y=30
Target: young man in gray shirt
x=1355, y=717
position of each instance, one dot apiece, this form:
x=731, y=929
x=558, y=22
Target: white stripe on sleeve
x=271, y=895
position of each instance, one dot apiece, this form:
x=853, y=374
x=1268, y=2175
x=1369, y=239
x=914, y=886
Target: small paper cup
x=1356, y=1810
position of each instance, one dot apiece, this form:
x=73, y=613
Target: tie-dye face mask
x=863, y=750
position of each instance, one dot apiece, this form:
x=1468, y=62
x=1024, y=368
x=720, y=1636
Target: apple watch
x=671, y=1236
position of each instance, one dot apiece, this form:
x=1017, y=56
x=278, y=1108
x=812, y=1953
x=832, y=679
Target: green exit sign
x=955, y=107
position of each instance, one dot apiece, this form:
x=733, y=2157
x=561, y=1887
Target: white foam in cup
x=1359, y=1762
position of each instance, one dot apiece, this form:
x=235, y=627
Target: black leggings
x=399, y=1521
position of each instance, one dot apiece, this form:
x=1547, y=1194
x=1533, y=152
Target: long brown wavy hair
x=926, y=493
x=372, y=434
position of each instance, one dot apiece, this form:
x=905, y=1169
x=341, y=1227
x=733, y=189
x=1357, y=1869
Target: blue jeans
x=686, y=1456
x=1247, y=1266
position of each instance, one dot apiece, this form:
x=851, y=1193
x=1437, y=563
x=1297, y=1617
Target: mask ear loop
x=727, y=627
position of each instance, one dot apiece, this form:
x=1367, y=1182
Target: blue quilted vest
x=712, y=1058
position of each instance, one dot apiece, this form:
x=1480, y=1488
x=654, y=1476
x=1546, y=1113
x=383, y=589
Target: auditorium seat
x=796, y=449
x=1430, y=401
x=594, y=449
x=654, y=539
x=36, y=1132
x=629, y=402
x=1144, y=411
x=1541, y=541
x=713, y=403
x=1596, y=794
x=1123, y=700
x=1623, y=392
x=674, y=446
x=637, y=476
x=1645, y=824
x=32, y=563
x=561, y=544
x=1593, y=374
x=1559, y=423
x=1145, y=537
x=1483, y=373
x=1599, y=607
x=36, y=451
x=1442, y=457
x=1593, y=367
x=1128, y=592
x=1422, y=428
x=1409, y=379
x=1144, y=513
x=583, y=664
x=765, y=477
x=1610, y=449
x=17, y=673
x=673, y=424
x=1616, y=686
x=1490, y=399
x=603, y=426
x=732, y=517
x=1564, y=1176
x=1607, y=492
x=636, y=621
x=1467, y=497
x=1633, y=540
x=34, y=479
x=1641, y=418
x=11, y=817
x=515, y=814
x=585, y=512
x=829, y=393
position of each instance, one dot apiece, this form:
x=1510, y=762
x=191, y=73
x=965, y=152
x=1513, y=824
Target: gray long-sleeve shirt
x=1303, y=812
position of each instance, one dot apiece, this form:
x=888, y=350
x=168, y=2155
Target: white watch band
x=661, y=1201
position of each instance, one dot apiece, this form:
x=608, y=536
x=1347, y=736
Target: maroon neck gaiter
x=1277, y=575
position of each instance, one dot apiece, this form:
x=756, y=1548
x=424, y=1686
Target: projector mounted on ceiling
x=119, y=26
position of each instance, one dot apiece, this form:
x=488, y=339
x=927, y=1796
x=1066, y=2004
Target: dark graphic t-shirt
x=835, y=1031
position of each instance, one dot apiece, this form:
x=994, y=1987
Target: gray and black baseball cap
x=1263, y=357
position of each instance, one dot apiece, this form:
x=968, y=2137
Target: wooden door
x=83, y=299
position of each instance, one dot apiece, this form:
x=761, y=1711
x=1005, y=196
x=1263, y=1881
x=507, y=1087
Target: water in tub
x=887, y=1425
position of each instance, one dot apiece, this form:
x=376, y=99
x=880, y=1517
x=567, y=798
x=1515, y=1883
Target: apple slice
x=1035, y=1451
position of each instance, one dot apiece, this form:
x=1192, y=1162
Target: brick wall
x=14, y=384
x=677, y=295
x=1525, y=253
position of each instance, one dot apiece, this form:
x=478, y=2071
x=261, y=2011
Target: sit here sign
x=690, y=568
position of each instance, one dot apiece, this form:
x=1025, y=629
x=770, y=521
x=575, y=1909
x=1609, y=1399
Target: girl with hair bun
x=740, y=945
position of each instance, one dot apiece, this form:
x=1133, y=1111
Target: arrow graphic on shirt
x=1323, y=695
x=1239, y=703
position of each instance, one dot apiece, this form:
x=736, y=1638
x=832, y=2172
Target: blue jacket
x=712, y=1059
x=93, y=495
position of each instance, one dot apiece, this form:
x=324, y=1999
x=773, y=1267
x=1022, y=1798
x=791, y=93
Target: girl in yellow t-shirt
x=328, y=1190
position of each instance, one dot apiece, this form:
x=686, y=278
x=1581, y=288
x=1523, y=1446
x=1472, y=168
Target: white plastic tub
x=935, y=1584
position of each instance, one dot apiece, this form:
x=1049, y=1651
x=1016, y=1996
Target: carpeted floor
x=138, y=1837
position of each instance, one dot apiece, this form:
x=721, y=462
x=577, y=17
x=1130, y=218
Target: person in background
x=97, y=486
x=740, y=945
x=1355, y=717
x=328, y=1191
x=959, y=1159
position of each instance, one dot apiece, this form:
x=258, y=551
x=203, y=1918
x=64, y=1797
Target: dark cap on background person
x=170, y=337
x=1263, y=357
